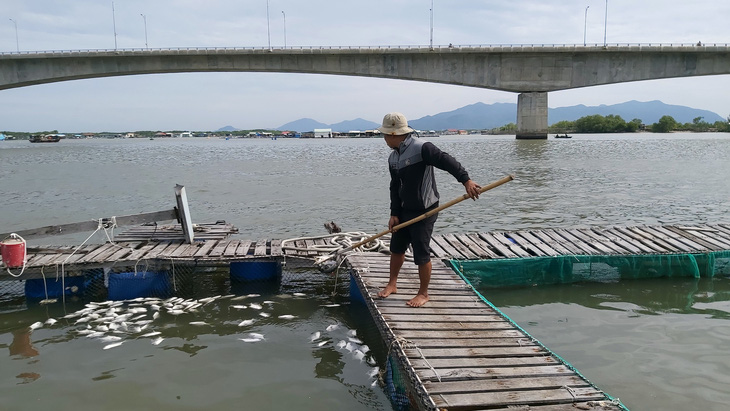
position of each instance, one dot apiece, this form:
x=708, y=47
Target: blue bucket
x=35, y=289
x=246, y=271
x=130, y=285
x=355, y=294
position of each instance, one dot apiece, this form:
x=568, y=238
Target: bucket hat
x=395, y=123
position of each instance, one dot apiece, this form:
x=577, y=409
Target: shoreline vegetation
x=593, y=124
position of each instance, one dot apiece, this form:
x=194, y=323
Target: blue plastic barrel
x=35, y=289
x=130, y=285
x=355, y=294
x=246, y=271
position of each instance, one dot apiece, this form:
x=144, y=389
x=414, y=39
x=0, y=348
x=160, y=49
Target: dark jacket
x=412, y=179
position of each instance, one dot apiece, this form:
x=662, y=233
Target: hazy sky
x=208, y=101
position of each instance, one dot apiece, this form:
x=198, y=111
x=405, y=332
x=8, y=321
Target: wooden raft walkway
x=461, y=354
x=637, y=240
x=147, y=243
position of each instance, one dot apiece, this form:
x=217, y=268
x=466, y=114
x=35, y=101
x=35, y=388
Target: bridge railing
x=612, y=46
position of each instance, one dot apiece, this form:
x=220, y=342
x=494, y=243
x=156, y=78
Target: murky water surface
x=658, y=344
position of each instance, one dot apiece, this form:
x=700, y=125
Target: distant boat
x=45, y=138
x=563, y=136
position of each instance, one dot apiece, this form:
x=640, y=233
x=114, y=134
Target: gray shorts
x=418, y=235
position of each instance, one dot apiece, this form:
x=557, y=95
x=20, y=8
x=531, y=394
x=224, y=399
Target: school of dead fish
x=114, y=322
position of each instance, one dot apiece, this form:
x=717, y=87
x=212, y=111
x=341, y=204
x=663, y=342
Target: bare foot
x=388, y=290
x=418, y=300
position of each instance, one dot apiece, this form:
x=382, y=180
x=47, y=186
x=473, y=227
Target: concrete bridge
x=531, y=70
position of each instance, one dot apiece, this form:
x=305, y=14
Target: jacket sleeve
x=395, y=202
x=432, y=155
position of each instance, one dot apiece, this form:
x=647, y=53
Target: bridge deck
x=459, y=353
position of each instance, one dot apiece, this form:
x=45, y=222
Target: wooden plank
x=536, y=397
x=627, y=241
x=141, y=251
x=123, y=250
x=537, y=247
x=401, y=309
x=481, y=352
x=526, y=245
x=207, y=246
x=218, y=250
x=80, y=253
x=451, y=252
x=504, y=384
x=627, y=246
x=387, y=302
x=503, y=238
x=463, y=249
x=167, y=251
x=452, y=374
x=185, y=250
x=719, y=231
x=478, y=245
x=276, y=248
x=684, y=240
x=447, y=325
x=599, y=245
x=410, y=334
x=659, y=240
x=230, y=249
x=479, y=362
x=464, y=343
x=678, y=245
x=574, y=249
x=244, y=247
x=711, y=237
x=434, y=317
x=260, y=249
x=604, y=239
x=722, y=227
x=172, y=249
x=497, y=245
x=436, y=250
x=555, y=245
x=92, y=256
x=587, y=248
x=450, y=297
x=654, y=247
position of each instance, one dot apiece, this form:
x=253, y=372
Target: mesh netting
x=161, y=278
x=570, y=269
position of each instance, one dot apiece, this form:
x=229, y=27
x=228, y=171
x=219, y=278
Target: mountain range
x=480, y=116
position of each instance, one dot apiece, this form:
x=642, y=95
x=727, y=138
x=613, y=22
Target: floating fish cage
x=514, y=272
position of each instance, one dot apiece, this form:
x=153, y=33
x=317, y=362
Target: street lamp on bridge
x=284, y=14
x=145, y=30
x=268, y=26
x=605, y=23
x=17, y=46
x=585, y=25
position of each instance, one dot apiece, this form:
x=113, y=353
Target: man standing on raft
x=412, y=193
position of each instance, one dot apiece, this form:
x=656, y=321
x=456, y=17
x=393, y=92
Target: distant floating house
x=322, y=133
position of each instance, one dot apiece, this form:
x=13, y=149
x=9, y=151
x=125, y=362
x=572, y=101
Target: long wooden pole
x=431, y=212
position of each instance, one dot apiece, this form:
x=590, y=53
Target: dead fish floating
x=110, y=346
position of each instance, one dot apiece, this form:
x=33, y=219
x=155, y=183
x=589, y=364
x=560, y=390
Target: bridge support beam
x=532, y=116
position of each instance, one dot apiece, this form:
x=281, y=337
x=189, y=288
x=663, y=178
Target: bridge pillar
x=532, y=116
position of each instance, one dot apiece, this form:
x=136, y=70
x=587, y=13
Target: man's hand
x=472, y=189
x=394, y=221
